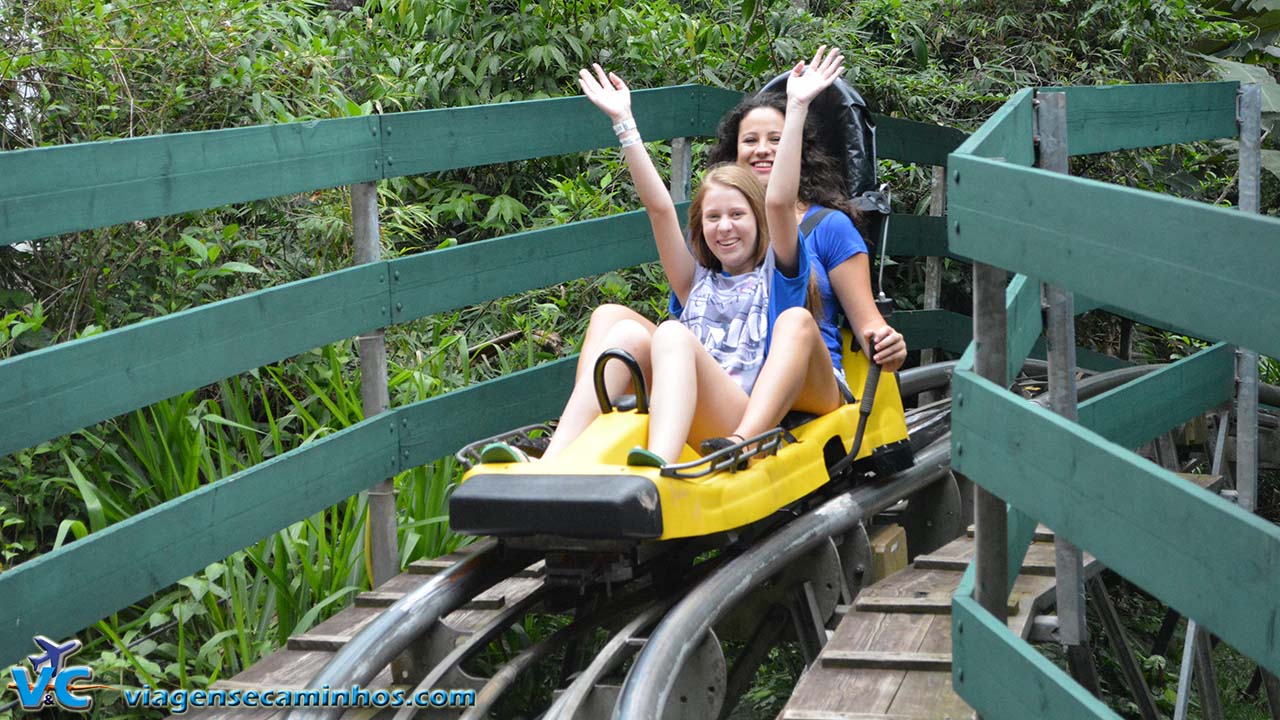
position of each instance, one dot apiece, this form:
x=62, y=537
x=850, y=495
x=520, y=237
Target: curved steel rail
x=382, y=640
x=639, y=602
x=385, y=637
x=472, y=645
x=609, y=657
x=654, y=673
x=652, y=676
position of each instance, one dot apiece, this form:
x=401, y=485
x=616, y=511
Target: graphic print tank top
x=729, y=316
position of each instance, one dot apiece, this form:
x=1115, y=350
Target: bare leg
x=582, y=407
x=603, y=319
x=679, y=413
x=796, y=375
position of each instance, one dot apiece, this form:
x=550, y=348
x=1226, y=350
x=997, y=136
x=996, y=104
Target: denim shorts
x=843, y=384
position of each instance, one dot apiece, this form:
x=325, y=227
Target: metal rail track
x=385, y=638
x=649, y=685
x=675, y=620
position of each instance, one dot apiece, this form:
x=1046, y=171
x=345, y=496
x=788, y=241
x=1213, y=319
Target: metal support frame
x=1250, y=175
x=933, y=269
x=1184, y=673
x=753, y=654
x=374, y=394
x=991, y=520
x=1120, y=646
x=1250, y=179
x=1196, y=658
x=810, y=625
x=1073, y=632
x=933, y=517
x=1210, y=700
x=681, y=168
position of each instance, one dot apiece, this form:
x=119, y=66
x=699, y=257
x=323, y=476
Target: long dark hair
x=821, y=175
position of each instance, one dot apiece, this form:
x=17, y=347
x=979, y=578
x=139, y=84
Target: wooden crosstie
x=890, y=656
x=293, y=666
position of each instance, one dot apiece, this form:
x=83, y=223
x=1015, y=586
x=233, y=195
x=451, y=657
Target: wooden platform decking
x=292, y=667
x=888, y=659
x=890, y=656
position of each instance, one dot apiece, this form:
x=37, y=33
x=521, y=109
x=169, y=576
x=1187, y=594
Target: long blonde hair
x=734, y=176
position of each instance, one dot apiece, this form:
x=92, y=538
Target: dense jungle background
x=85, y=70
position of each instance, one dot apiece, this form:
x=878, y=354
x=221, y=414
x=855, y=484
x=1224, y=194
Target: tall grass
x=219, y=621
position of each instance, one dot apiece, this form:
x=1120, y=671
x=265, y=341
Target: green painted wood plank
x=951, y=331
x=713, y=103
x=1168, y=536
x=59, y=389
x=1139, y=411
x=918, y=236
x=61, y=592
x=1120, y=117
x=943, y=329
x=910, y=141
x=439, y=426
x=1021, y=531
x=48, y=191
x=1023, y=325
x=432, y=140
x=446, y=279
x=1025, y=321
x=1083, y=304
x=1132, y=249
x=1004, y=678
x=1085, y=358
x=1005, y=135
x=1145, y=320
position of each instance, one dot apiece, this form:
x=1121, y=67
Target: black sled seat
x=579, y=506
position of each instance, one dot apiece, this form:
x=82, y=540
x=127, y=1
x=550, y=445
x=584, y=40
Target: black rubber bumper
x=579, y=506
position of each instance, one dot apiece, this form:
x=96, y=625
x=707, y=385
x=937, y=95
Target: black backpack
x=849, y=133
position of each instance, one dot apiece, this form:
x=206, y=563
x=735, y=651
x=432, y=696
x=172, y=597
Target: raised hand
x=804, y=84
x=607, y=92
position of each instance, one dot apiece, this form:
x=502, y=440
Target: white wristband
x=628, y=142
x=625, y=125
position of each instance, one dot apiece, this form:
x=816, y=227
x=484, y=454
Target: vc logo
x=51, y=682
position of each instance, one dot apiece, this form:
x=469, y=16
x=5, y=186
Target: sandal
x=717, y=444
x=643, y=457
x=714, y=445
x=500, y=452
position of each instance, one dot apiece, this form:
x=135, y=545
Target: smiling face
x=758, y=136
x=729, y=228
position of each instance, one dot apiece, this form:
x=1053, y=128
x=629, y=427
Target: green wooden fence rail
x=1137, y=252
x=57, y=390
x=47, y=191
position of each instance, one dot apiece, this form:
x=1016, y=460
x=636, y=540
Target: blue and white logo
x=51, y=682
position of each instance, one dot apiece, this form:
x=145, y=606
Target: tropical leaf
x=1245, y=74
x=1271, y=162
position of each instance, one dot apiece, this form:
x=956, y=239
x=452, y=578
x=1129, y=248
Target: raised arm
x=784, y=181
x=611, y=95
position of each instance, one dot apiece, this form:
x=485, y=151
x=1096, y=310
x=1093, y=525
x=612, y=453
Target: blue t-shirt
x=833, y=241
x=784, y=293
